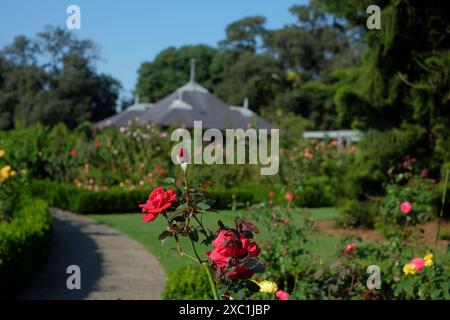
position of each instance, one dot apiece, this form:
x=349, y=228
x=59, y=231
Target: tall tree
x=53, y=79
x=171, y=69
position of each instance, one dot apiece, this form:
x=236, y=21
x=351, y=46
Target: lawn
x=322, y=246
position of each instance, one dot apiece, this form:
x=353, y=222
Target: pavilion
x=191, y=102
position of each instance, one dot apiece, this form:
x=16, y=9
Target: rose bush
x=234, y=257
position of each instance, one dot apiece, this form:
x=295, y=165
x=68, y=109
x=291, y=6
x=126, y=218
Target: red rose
x=250, y=247
x=219, y=259
x=73, y=152
x=158, y=201
x=228, y=244
x=241, y=272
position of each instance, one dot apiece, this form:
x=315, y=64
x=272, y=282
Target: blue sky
x=131, y=32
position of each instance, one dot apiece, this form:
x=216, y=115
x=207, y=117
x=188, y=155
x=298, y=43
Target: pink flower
x=289, y=196
x=74, y=153
x=418, y=263
x=97, y=143
x=286, y=220
x=406, y=207
x=308, y=154
x=282, y=295
x=350, y=247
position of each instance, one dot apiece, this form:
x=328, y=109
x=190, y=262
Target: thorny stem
x=197, y=257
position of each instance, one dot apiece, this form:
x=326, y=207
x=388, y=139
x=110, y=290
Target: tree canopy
x=53, y=79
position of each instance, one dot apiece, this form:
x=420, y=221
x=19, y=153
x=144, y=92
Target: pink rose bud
x=419, y=263
x=406, y=207
x=282, y=295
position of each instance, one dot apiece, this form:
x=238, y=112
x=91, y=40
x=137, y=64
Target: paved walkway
x=113, y=266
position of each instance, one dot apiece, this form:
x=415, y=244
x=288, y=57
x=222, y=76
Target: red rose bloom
x=158, y=201
x=229, y=246
x=250, y=247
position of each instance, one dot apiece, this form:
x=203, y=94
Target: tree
x=53, y=79
x=246, y=34
x=171, y=69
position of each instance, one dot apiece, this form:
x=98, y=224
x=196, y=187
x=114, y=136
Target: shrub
x=118, y=200
x=356, y=213
x=231, y=198
x=24, y=245
x=316, y=192
x=188, y=283
x=419, y=192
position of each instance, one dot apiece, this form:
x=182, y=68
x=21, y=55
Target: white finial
x=136, y=99
x=192, y=79
x=246, y=103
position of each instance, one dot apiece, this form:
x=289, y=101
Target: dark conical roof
x=125, y=118
x=192, y=102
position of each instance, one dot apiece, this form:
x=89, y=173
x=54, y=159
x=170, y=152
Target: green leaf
x=169, y=180
x=181, y=207
x=203, y=206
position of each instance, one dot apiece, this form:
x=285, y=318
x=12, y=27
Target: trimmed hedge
x=117, y=200
x=24, y=245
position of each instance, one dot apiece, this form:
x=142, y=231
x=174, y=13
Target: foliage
x=187, y=283
x=356, y=213
x=10, y=183
x=52, y=79
x=419, y=192
x=24, y=244
x=284, y=252
x=119, y=200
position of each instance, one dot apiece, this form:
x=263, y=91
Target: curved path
x=112, y=265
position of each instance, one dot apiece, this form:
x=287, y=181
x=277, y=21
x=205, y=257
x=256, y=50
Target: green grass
x=322, y=246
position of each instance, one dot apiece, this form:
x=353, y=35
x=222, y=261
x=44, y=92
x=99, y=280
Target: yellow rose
x=5, y=171
x=266, y=286
x=409, y=268
x=13, y=173
x=428, y=260
x=2, y=153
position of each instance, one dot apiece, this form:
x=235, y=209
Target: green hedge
x=117, y=200
x=188, y=283
x=24, y=245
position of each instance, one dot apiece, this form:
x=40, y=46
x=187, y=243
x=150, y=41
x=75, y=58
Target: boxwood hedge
x=24, y=245
x=116, y=200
